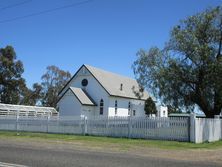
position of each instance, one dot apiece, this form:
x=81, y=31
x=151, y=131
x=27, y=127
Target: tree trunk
x=209, y=114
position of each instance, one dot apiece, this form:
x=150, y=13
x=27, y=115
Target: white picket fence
x=140, y=127
x=172, y=128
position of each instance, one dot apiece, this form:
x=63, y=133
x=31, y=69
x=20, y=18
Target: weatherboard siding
x=122, y=107
x=96, y=91
x=69, y=105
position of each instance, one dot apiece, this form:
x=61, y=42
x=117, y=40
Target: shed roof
x=82, y=96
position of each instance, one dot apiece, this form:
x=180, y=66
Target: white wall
x=69, y=105
x=122, y=107
x=94, y=89
x=207, y=130
x=138, y=106
x=88, y=111
x=162, y=111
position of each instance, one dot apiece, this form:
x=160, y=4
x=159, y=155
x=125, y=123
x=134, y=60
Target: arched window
x=116, y=105
x=129, y=108
x=101, y=104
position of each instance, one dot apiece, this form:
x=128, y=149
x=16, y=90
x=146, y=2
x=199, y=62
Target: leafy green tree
x=150, y=107
x=187, y=72
x=52, y=82
x=11, y=81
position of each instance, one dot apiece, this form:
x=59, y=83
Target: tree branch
x=220, y=42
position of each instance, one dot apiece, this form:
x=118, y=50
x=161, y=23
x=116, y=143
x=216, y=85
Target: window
x=101, y=104
x=134, y=112
x=116, y=105
x=129, y=108
x=164, y=112
x=84, y=82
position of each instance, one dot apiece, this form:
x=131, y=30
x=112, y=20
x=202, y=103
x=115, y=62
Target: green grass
x=121, y=143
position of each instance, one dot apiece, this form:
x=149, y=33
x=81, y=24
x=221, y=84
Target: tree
x=172, y=109
x=187, y=72
x=150, y=107
x=11, y=81
x=32, y=96
x=52, y=82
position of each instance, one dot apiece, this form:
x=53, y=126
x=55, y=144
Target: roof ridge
x=113, y=73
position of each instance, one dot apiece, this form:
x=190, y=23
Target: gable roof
x=111, y=82
x=81, y=96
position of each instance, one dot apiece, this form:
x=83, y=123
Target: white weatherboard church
x=95, y=92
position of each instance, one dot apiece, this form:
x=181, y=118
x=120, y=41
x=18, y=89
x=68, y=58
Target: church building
x=96, y=92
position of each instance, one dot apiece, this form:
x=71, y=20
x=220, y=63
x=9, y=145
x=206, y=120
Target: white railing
x=28, y=111
x=175, y=128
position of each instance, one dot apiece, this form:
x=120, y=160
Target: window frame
x=129, y=108
x=116, y=107
x=101, y=107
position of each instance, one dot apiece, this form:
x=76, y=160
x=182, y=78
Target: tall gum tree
x=52, y=82
x=11, y=80
x=187, y=72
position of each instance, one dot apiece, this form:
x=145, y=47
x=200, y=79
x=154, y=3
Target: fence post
x=47, y=130
x=16, y=125
x=129, y=126
x=218, y=132
x=84, y=125
x=192, y=127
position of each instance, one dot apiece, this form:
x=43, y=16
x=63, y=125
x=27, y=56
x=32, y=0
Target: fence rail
x=172, y=128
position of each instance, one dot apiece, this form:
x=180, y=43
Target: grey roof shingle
x=111, y=82
x=82, y=96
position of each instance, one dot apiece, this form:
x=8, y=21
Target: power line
x=15, y=5
x=45, y=11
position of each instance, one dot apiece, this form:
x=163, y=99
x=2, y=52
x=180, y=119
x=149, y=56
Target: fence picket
x=129, y=127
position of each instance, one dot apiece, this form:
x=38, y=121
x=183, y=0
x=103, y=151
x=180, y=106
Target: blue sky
x=102, y=33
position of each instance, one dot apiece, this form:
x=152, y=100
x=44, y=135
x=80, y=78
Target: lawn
x=122, y=143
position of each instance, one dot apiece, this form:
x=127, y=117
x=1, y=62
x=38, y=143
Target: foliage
x=172, y=109
x=13, y=88
x=11, y=81
x=52, y=82
x=187, y=72
x=150, y=107
x=32, y=96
